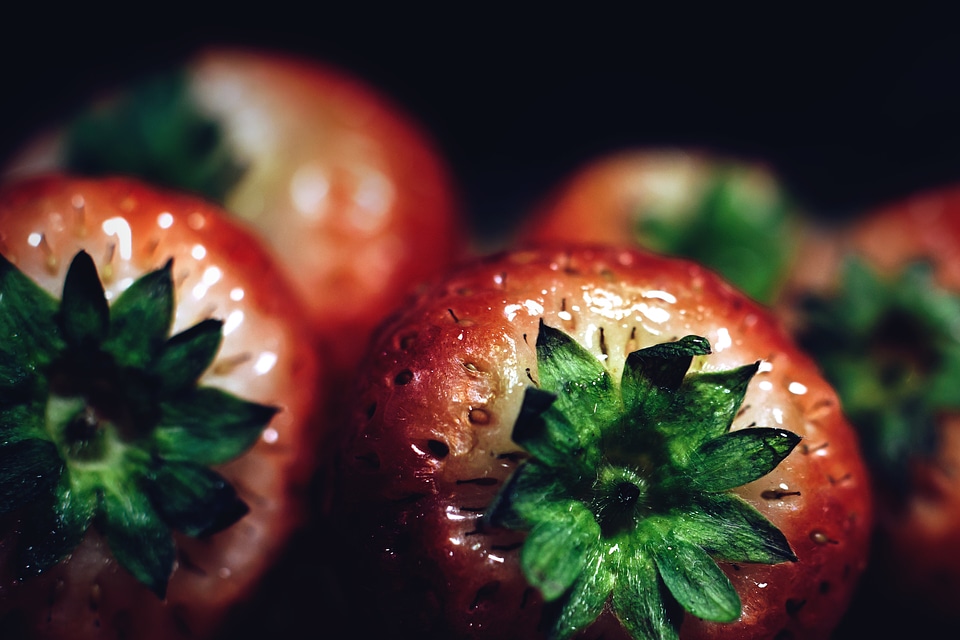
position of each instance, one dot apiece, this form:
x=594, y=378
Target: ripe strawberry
x=159, y=424
x=879, y=309
x=538, y=445
x=348, y=191
x=731, y=215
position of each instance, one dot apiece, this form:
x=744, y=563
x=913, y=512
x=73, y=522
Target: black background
x=852, y=110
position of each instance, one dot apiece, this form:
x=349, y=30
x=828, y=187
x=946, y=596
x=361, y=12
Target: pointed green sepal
x=731, y=530
x=586, y=598
x=557, y=548
x=547, y=434
x=641, y=601
x=739, y=457
x=193, y=499
x=696, y=581
x=209, y=426
x=140, y=319
x=15, y=379
x=84, y=314
x=29, y=470
x=138, y=537
x=31, y=337
x=526, y=497
x=188, y=354
x=705, y=408
x=52, y=528
x=661, y=366
x=586, y=396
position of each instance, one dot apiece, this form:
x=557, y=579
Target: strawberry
x=347, y=190
x=593, y=441
x=729, y=214
x=879, y=309
x=159, y=424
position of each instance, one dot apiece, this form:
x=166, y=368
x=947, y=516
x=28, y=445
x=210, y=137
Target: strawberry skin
x=218, y=271
x=347, y=189
x=429, y=444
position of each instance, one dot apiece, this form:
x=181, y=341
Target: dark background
x=851, y=110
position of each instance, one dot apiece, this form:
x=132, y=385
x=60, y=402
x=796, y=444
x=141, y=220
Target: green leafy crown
x=743, y=231
x=891, y=348
x=154, y=130
x=103, y=423
x=626, y=493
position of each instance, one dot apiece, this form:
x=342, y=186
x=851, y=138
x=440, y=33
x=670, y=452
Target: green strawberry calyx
x=626, y=494
x=890, y=345
x=103, y=423
x=155, y=130
x=742, y=227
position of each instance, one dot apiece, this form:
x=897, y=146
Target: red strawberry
x=879, y=309
x=552, y=426
x=159, y=422
x=348, y=191
x=728, y=214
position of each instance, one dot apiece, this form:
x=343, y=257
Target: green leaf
x=704, y=408
x=731, y=530
x=742, y=227
x=138, y=538
x=739, y=457
x=140, y=319
x=547, y=434
x=31, y=338
x=209, y=426
x=54, y=527
x=188, y=354
x=585, y=600
x=15, y=381
x=29, y=470
x=157, y=132
x=556, y=549
x=639, y=599
x=22, y=421
x=865, y=296
x=527, y=497
x=660, y=367
x=84, y=315
x=585, y=392
x=696, y=581
x=193, y=499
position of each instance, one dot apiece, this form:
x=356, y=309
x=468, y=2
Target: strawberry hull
x=429, y=444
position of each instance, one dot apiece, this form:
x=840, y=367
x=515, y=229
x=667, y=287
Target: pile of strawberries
x=259, y=377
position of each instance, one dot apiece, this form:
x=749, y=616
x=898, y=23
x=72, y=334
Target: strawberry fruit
x=589, y=441
x=346, y=189
x=878, y=309
x=157, y=413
